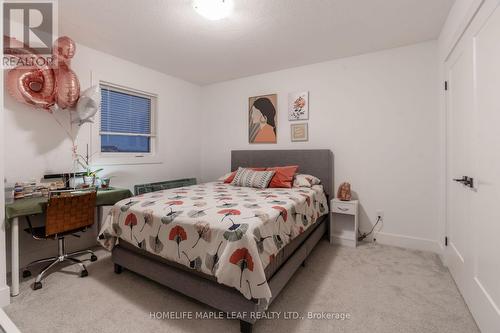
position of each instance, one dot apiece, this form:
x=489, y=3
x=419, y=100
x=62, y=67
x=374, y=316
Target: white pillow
x=303, y=180
x=250, y=178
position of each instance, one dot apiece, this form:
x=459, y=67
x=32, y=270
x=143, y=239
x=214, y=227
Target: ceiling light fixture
x=213, y=9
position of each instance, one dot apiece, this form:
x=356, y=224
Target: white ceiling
x=260, y=36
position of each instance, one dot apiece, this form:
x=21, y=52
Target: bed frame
x=318, y=162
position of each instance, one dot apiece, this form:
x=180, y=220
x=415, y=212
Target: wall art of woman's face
x=256, y=115
x=262, y=116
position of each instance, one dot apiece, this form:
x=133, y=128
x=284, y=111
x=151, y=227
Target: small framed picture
x=298, y=106
x=299, y=132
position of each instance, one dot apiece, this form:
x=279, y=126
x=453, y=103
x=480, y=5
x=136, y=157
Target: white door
x=473, y=220
x=485, y=292
x=459, y=119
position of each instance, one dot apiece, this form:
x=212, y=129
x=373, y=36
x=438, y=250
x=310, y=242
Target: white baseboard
x=4, y=296
x=408, y=242
x=336, y=239
x=442, y=254
x=7, y=324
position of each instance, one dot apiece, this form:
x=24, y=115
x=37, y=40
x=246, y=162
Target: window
x=126, y=121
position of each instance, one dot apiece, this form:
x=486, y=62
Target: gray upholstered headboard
x=316, y=162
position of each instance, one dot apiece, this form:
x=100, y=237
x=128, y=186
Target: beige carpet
x=384, y=289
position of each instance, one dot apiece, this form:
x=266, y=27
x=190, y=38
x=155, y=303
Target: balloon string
x=70, y=135
x=65, y=130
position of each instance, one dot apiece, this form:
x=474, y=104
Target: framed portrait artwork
x=299, y=132
x=298, y=106
x=262, y=117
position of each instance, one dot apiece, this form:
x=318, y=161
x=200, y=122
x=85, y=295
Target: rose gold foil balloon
x=38, y=84
x=67, y=87
x=31, y=86
x=12, y=84
x=34, y=84
x=64, y=49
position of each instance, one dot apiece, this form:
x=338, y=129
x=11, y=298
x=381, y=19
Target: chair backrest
x=69, y=212
x=152, y=187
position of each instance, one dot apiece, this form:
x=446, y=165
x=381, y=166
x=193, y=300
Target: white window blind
x=126, y=121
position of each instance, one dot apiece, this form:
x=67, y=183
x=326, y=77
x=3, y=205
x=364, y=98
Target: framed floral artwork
x=299, y=132
x=262, y=117
x=298, y=106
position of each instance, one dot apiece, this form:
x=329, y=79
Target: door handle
x=467, y=181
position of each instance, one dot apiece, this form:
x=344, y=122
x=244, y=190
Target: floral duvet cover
x=228, y=232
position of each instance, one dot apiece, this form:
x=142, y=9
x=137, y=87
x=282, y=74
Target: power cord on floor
x=361, y=237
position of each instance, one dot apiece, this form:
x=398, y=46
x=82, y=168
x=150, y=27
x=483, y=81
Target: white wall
x=36, y=144
x=377, y=112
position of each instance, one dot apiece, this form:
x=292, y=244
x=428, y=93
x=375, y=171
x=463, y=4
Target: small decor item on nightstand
x=344, y=192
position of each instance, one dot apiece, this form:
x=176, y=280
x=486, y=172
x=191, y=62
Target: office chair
x=67, y=213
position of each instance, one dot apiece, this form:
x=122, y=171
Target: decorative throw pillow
x=232, y=174
x=252, y=178
x=226, y=176
x=283, y=176
x=302, y=180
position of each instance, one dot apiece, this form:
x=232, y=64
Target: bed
x=232, y=248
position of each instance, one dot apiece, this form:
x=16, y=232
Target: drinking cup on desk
x=105, y=183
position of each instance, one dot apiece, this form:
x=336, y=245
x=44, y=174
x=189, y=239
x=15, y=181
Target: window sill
x=125, y=159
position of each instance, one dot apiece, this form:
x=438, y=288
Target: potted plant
x=89, y=176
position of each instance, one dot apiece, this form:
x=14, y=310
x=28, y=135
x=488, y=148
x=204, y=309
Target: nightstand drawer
x=344, y=208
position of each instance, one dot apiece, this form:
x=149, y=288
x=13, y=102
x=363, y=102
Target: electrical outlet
x=380, y=219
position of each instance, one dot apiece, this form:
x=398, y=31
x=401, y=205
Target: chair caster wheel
x=37, y=285
x=84, y=273
x=93, y=257
x=26, y=274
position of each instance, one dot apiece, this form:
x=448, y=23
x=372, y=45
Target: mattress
x=237, y=235
x=271, y=268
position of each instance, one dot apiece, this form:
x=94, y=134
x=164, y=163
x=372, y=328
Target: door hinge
x=446, y=241
x=445, y=85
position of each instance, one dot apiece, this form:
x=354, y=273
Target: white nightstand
x=344, y=222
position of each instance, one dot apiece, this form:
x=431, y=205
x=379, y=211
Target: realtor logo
x=31, y=24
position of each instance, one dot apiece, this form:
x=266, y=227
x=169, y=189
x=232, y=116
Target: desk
x=34, y=206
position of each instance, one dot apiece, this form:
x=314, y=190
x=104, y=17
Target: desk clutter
x=34, y=189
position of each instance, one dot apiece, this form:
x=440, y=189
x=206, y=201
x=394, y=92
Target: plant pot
x=88, y=181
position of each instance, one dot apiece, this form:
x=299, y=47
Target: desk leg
x=14, y=227
x=99, y=213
